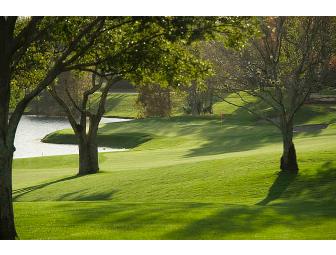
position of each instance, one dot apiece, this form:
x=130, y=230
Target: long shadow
x=251, y=133
x=234, y=139
x=249, y=222
x=320, y=185
x=307, y=207
x=23, y=191
x=309, y=112
x=80, y=195
x=305, y=197
x=279, y=186
x=203, y=221
x=238, y=131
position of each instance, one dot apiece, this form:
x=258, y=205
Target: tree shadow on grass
x=122, y=140
x=113, y=140
x=241, y=131
x=307, y=201
x=78, y=195
x=82, y=195
x=23, y=191
x=310, y=111
x=259, y=222
x=279, y=186
x=320, y=185
x=226, y=139
x=203, y=221
x=306, y=209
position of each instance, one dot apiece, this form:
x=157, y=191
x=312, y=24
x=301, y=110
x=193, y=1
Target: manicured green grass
x=185, y=178
x=124, y=105
x=121, y=105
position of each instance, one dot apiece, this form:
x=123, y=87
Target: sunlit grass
x=193, y=178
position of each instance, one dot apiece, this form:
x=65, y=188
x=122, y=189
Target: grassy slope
x=124, y=105
x=191, y=178
x=121, y=105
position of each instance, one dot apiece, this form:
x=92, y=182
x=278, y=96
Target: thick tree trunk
x=7, y=226
x=288, y=160
x=193, y=101
x=88, y=155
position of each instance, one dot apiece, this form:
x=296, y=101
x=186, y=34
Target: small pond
x=33, y=128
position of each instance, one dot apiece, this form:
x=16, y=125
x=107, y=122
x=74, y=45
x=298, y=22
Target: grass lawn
x=121, y=105
x=185, y=178
x=124, y=105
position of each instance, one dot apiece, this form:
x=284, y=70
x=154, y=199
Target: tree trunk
x=193, y=101
x=7, y=226
x=288, y=160
x=88, y=155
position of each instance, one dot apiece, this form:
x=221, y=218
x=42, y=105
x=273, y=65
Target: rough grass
x=195, y=178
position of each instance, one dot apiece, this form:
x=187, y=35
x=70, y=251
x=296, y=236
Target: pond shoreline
x=33, y=128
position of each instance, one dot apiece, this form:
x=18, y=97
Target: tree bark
x=288, y=160
x=193, y=102
x=7, y=225
x=88, y=155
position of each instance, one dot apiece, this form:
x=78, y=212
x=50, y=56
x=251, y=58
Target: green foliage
x=142, y=49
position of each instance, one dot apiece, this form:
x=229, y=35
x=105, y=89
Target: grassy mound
x=116, y=140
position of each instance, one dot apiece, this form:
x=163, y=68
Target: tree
x=83, y=118
x=44, y=104
x=199, y=99
x=146, y=50
x=280, y=67
x=154, y=101
x=28, y=66
x=35, y=50
x=147, y=60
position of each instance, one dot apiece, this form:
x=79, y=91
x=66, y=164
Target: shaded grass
x=102, y=220
x=116, y=140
